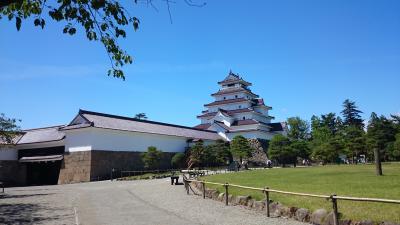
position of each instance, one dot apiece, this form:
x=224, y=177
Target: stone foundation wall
x=97, y=165
x=75, y=168
x=104, y=161
x=259, y=154
x=12, y=173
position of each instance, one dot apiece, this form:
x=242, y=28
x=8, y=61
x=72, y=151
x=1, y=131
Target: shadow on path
x=8, y=196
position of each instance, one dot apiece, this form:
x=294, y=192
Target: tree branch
x=4, y=3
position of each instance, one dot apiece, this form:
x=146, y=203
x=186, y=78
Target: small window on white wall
x=224, y=98
x=240, y=106
x=236, y=96
x=244, y=118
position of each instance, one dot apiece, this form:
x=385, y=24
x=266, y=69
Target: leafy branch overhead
x=102, y=20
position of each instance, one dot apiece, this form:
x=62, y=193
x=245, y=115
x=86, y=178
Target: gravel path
x=151, y=202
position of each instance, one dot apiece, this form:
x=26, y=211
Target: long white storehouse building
x=89, y=147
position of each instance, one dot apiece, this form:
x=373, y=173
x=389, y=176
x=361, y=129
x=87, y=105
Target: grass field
x=344, y=180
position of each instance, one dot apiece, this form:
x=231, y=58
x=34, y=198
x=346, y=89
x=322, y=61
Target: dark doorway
x=43, y=173
x=42, y=168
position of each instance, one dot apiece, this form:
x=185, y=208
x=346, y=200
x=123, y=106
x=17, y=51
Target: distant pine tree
x=351, y=114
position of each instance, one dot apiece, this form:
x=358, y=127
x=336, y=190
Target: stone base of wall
x=259, y=154
x=97, y=165
x=12, y=173
x=104, y=161
x=75, y=168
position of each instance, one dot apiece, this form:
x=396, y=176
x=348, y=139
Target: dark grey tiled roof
x=107, y=121
x=45, y=134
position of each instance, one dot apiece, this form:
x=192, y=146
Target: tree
x=328, y=151
x=223, y=155
x=301, y=149
x=395, y=155
x=102, y=20
x=141, y=116
x=8, y=129
x=298, y=129
x=326, y=141
x=396, y=121
x=178, y=160
x=354, y=141
x=196, y=154
x=151, y=158
x=332, y=122
x=380, y=134
x=351, y=114
x=281, y=151
x=240, y=148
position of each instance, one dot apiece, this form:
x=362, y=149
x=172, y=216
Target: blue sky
x=304, y=57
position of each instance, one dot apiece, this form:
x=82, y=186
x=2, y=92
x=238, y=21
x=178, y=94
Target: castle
x=236, y=110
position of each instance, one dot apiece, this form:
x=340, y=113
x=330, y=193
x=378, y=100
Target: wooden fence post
x=204, y=190
x=266, y=191
x=226, y=194
x=335, y=210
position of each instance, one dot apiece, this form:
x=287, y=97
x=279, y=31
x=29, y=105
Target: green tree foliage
x=223, y=154
x=326, y=142
x=105, y=21
x=280, y=150
x=354, y=142
x=328, y=152
x=396, y=122
x=151, y=158
x=178, y=160
x=301, y=149
x=351, y=114
x=395, y=154
x=141, y=116
x=196, y=155
x=298, y=129
x=8, y=129
x=240, y=148
x=380, y=135
x=216, y=154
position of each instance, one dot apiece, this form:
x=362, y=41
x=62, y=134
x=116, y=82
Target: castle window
x=240, y=106
x=244, y=118
x=224, y=98
x=236, y=96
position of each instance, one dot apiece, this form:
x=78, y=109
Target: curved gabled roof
x=114, y=122
x=39, y=135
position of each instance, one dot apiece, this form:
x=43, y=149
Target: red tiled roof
x=204, y=126
x=228, y=101
x=229, y=112
x=233, y=78
x=233, y=90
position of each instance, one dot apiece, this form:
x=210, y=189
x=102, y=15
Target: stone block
x=318, y=216
x=221, y=197
x=241, y=200
x=250, y=203
x=259, y=205
x=302, y=215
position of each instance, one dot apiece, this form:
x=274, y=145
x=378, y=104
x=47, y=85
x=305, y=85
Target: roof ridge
x=81, y=111
x=43, y=128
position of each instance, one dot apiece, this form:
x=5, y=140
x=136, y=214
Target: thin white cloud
x=15, y=71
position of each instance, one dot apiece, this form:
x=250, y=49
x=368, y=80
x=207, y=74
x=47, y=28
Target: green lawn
x=344, y=180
